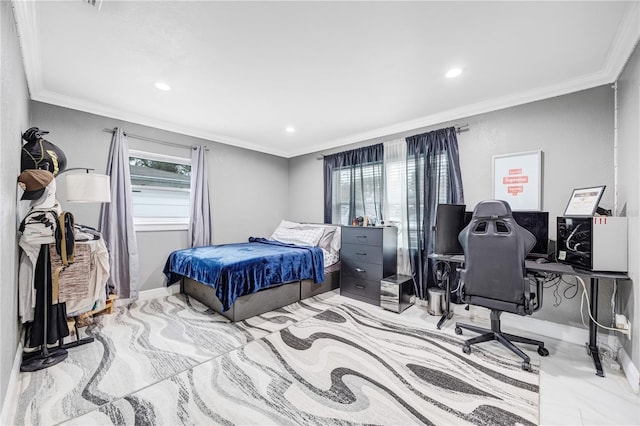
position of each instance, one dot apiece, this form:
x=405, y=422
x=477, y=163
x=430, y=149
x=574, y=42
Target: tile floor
x=570, y=392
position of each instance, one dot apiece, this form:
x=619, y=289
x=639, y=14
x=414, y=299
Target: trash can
x=435, y=305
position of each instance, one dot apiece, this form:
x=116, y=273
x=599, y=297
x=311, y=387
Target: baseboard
x=630, y=370
x=9, y=403
x=154, y=293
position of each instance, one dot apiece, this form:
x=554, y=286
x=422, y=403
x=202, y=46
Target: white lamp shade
x=88, y=188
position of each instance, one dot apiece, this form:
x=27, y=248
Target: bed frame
x=264, y=300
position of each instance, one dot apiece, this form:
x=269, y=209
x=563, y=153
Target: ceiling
x=338, y=72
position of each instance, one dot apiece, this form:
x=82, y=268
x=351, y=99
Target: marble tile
x=141, y=344
x=570, y=392
x=166, y=351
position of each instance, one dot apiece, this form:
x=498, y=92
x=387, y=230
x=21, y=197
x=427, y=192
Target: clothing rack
x=48, y=356
x=154, y=140
x=44, y=357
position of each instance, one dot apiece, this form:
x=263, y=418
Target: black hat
x=33, y=134
x=39, y=153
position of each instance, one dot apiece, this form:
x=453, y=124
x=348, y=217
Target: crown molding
x=27, y=27
x=621, y=49
x=624, y=42
x=105, y=111
x=495, y=104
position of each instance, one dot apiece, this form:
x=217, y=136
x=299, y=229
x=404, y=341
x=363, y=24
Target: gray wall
x=14, y=119
x=249, y=190
x=575, y=133
x=629, y=194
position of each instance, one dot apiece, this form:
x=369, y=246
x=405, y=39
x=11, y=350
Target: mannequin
x=48, y=199
x=48, y=323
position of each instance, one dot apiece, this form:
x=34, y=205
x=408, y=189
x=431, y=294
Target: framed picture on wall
x=517, y=179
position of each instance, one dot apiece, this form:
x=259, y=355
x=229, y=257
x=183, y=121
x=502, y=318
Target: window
x=160, y=186
x=357, y=191
x=439, y=173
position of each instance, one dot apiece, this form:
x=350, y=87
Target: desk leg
x=447, y=311
x=593, y=329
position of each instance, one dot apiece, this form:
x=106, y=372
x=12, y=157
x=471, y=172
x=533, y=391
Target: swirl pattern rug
x=320, y=362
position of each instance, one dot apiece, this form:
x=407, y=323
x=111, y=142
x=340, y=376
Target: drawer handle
x=361, y=254
x=360, y=270
x=361, y=236
x=360, y=286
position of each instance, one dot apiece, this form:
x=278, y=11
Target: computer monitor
x=450, y=220
x=538, y=224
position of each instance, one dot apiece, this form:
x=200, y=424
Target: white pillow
x=302, y=237
x=288, y=225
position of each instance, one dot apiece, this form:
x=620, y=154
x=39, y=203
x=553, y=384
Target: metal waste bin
x=436, y=301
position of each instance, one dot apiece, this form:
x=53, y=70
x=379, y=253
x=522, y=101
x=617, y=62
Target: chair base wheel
x=526, y=366
x=543, y=351
x=466, y=349
x=458, y=330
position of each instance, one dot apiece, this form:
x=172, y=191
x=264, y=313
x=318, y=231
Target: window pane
x=159, y=173
x=160, y=203
x=364, y=185
x=160, y=187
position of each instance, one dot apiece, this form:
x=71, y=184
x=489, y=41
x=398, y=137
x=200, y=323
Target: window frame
x=147, y=224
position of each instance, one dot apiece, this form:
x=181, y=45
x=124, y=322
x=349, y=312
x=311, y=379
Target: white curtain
x=200, y=229
x=395, y=198
x=116, y=222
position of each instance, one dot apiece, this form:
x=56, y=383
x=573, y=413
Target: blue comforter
x=234, y=270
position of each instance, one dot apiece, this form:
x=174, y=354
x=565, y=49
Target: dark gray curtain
x=433, y=177
x=116, y=222
x=361, y=173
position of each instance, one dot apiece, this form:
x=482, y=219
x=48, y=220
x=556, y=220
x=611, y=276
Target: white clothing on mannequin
x=38, y=227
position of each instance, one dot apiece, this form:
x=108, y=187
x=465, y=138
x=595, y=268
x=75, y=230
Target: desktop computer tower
x=594, y=243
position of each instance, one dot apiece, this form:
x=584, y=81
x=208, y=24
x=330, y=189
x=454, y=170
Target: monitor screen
x=584, y=201
x=538, y=224
x=450, y=220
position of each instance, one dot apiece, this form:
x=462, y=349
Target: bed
x=246, y=279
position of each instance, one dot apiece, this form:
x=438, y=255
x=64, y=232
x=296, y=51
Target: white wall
x=14, y=119
x=248, y=189
x=629, y=194
x=575, y=133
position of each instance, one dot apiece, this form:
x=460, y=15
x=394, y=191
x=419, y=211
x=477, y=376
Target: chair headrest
x=492, y=208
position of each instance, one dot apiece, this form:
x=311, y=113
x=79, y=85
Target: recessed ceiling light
x=290, y=129
x=453, y=73
x=162, y=86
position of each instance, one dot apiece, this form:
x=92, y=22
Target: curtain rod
x=459, y=129
x=158, y=141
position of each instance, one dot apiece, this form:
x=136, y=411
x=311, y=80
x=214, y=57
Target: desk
x=554, y=268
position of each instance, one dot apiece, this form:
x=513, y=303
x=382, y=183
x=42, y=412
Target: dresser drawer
x=362, y=289
x=361, y=270
x=361, y=253
x=362, y=235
